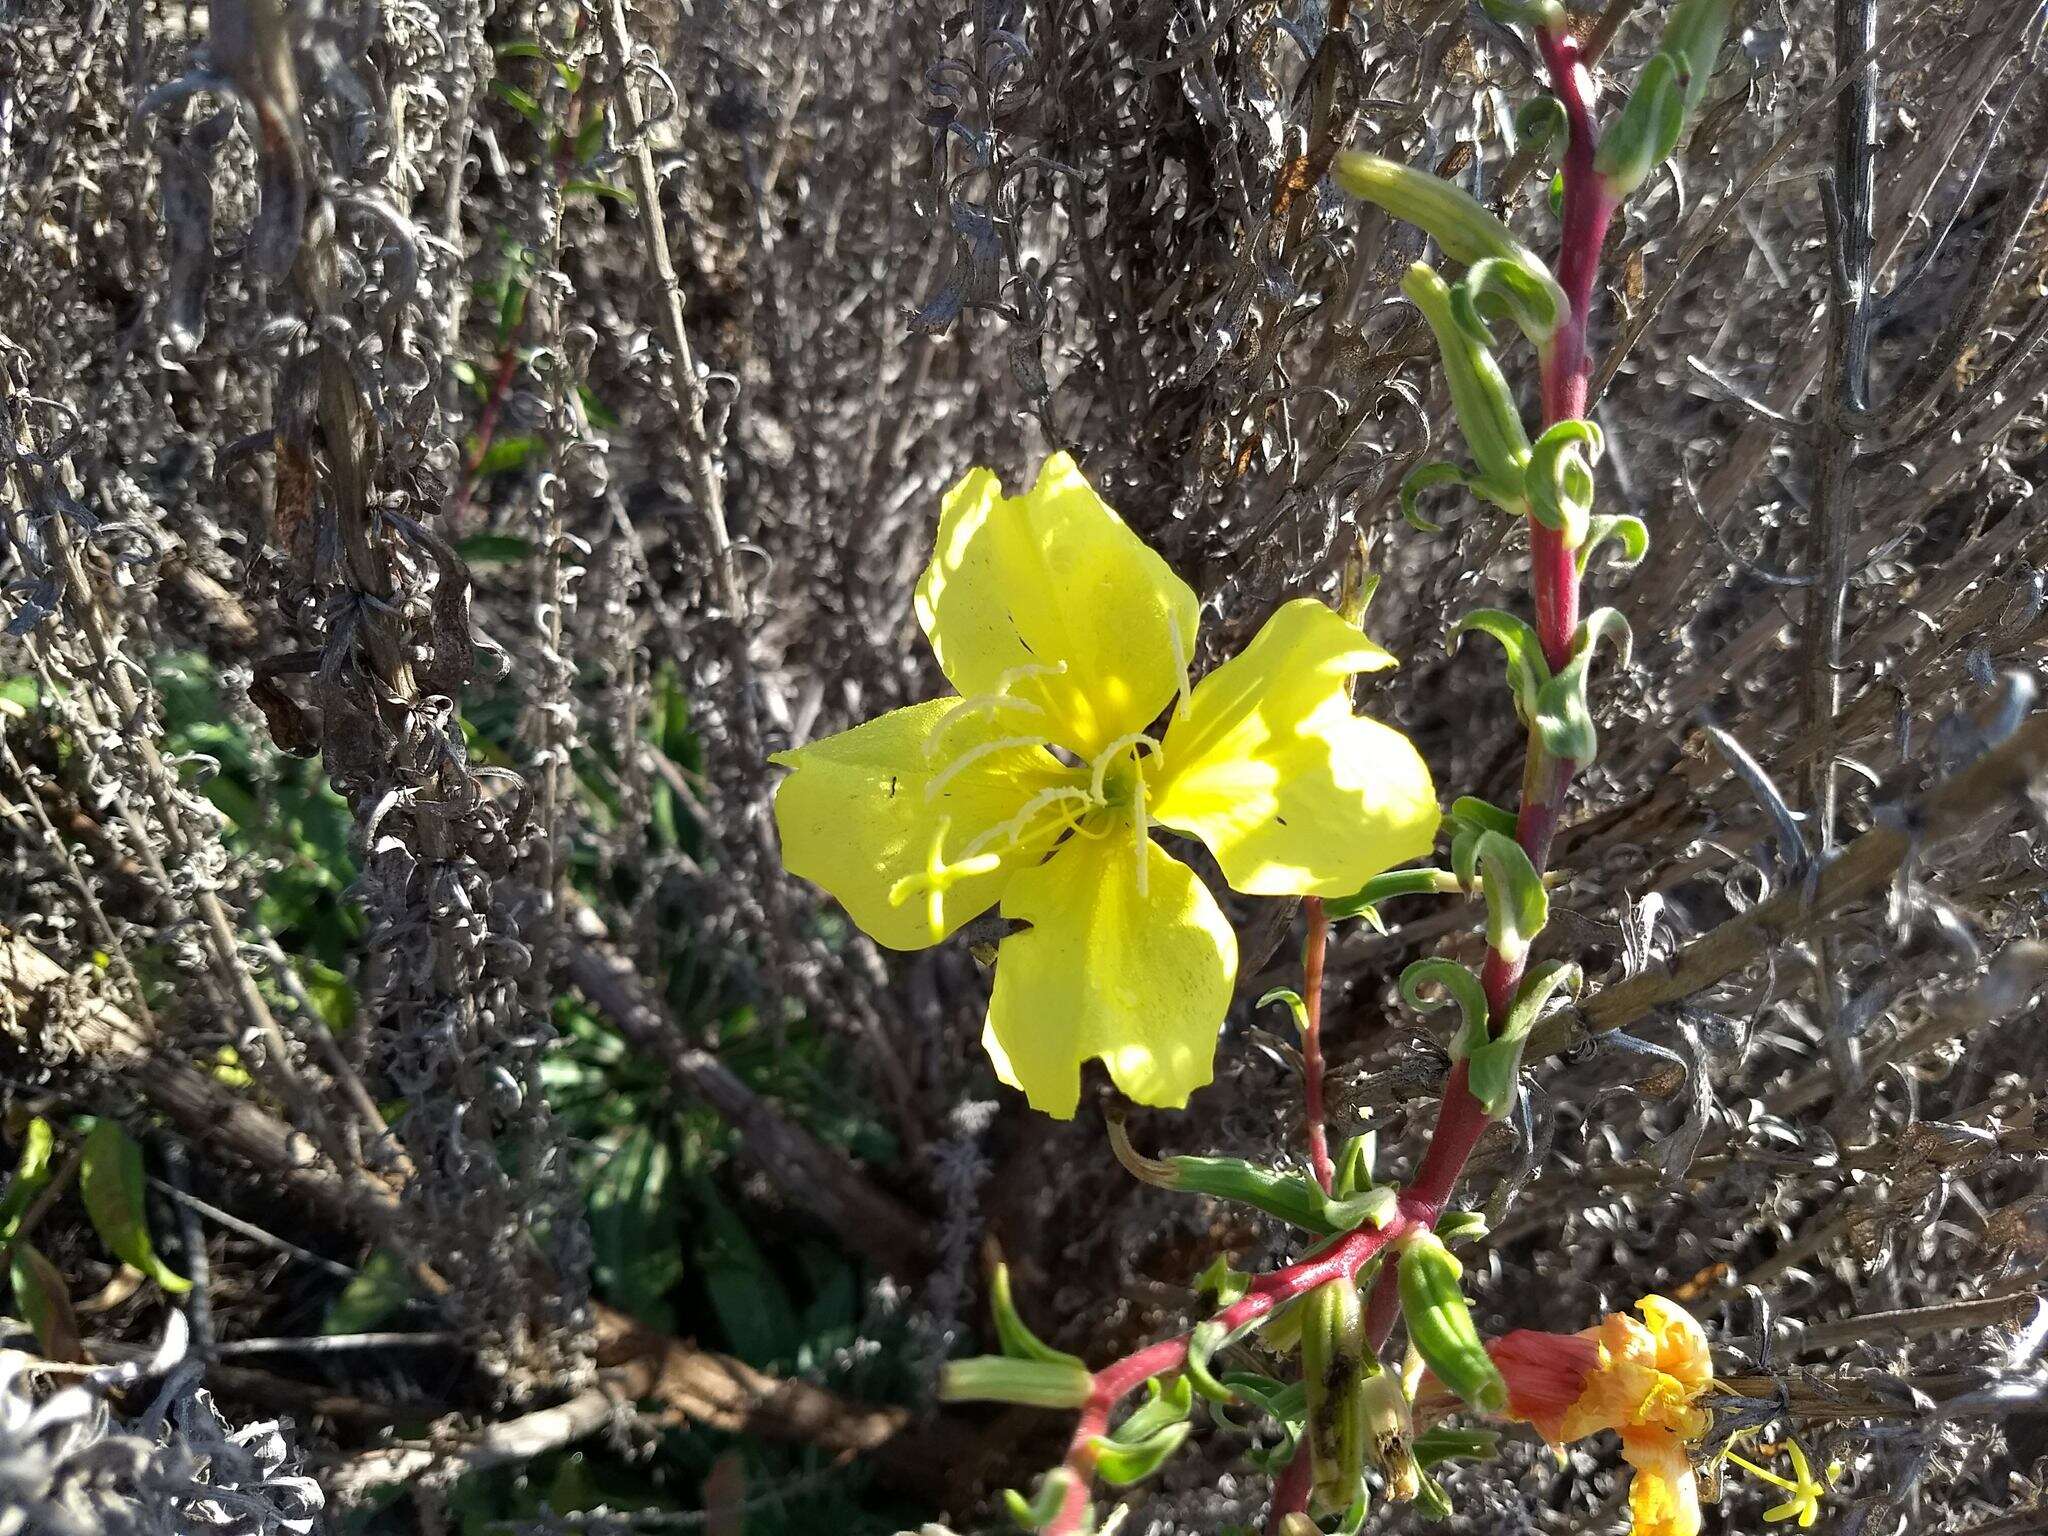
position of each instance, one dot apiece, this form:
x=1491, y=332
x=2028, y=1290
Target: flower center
x=1117, y=783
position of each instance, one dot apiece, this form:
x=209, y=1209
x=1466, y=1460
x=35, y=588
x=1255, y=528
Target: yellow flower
x=1641, y=1379
x=1037, y=785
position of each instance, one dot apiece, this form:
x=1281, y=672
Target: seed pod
x=1440, y=1324
x=1334, y=1354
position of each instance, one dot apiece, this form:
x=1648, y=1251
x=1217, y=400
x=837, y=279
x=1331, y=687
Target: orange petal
x=1664, y=1498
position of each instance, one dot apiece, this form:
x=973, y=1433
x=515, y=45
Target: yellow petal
x=1020, y=587
x=1293, y=793
x=1681, y=1343
x=857, y=817
x=1140, y=980
x=1664, y=1498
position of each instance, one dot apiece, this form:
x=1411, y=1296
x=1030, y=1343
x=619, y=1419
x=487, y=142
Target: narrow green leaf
x=1528, y=673
x=1121, y=1465
x=31, y=1172
x=380, y=1288
x=1517, y=906
x=1428, y=478
x=519, y=101
x=1295, y=1005
x=1631, y=533
x=1166, y=1403
x=584, y=186
x=1562, y=716
x=636, y=1212
x=1027, y=1383
x=40, y=1292
x=1018, y=1341
x=1460, y=987
x=110, y=1179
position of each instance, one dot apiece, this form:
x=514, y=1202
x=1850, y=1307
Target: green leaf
x=31, y=1172
x=1428, y=478
x=1461, y=1226
x=507, y=454
x=1294, y=1003
x=1495, y=1066
x=1460, y=986
x=1540, y=123
x=1646, y=130
x=589, y=138
x=1483, y=815
x=110, y=1179
x=1019, y=1342
x=1631, y=533
x=1442, y=1444
x=40, y=1292
x=636, y=1213
x=521, y=103
x=494, y=549
x=1220, y=1283
x=1480, y=398
x=1517, y=906
x=1353, y=1168
x=1562, y=717
x=1559, y=479
x=1382, y=888
x=752, y=1304
x=1036, y=1513
x=1509, y=289
x=379, y=1290
x=1120, y=1465
x=1528, y=672
x=584, y=186
x=1165, y=1404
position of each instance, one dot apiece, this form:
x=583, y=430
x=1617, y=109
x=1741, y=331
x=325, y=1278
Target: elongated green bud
x=1669, y=90
x=1440, y=1323
x=1647, y=129
x=1458, y=222
x=1293, y=1197
x=1693, y=38
x=1336, y=1356
x=999, y=1379
x=1487, y=416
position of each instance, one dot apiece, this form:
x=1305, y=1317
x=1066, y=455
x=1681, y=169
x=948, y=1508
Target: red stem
x=1291, y=1490
x=1460, y=1120
x=1313, y=950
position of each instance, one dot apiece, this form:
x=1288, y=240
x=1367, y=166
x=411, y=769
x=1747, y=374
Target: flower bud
x=1646, y=131
x=1457, y=221
x=1487, y=417
x=1693, y=38
x=1335, y=1355
x=1440, y=1323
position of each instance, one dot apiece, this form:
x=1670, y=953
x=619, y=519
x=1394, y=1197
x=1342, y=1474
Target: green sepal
x=1463, y=988
x=1039, y=1511
x=1220, y=1283
x=1428, y=478
x=1484, y=405
x=1003, y=1379
x=1528, y=672
x=1625, y=529
x=1647, y=129
x=1018, y=1341
x=1517, y=905
x=1493, y=1068
x=31, y=1172
x=1559, y=480
x=1563, y=720
x=1445, y=1444
x=1120, y=1464
x=1294, y=1003
x=1352, y=1173
x=1164, y=1406
x=1395, y=882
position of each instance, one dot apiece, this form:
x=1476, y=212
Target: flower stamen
x=974, y=754
x=938, y=876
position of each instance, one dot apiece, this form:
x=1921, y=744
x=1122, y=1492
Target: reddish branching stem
x=1312, y=952
x=1567, y=366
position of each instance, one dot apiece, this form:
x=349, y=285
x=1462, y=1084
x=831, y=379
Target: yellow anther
x=937, y=877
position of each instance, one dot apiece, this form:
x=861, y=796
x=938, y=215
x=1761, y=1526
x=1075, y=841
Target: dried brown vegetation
x=535, y=414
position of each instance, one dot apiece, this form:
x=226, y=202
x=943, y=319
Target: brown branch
x=48, y=1014
x=821, y=1178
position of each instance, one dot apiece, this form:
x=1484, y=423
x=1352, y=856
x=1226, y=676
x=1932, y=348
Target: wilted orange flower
x=1641, y=1379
